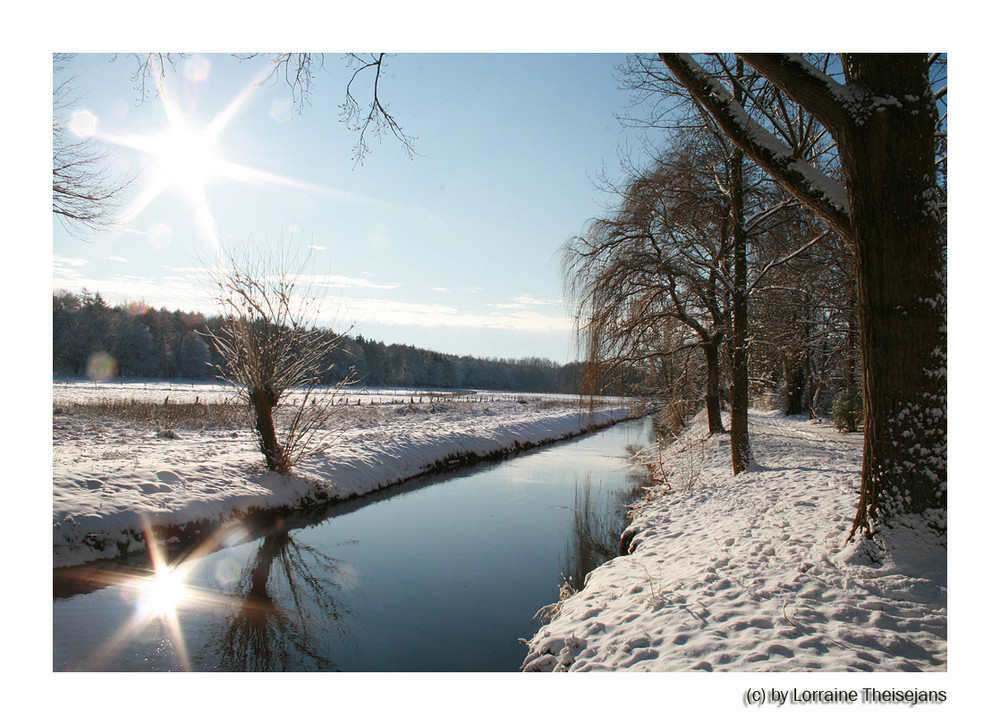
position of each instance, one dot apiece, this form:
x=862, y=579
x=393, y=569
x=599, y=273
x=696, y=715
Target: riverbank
x=116, y=483
x=752, y=573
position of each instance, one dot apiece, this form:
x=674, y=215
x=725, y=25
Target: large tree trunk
x=889, y=166
x=739, y=424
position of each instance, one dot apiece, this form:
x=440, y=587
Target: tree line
x=146, y=342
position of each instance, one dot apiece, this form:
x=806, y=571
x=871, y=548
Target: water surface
x=441, y=574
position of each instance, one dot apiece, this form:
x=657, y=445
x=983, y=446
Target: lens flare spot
x=227, y=571
x=281, y=110
x=161, y=236
x=83, y=124
x=197, y=68
x=101, y=366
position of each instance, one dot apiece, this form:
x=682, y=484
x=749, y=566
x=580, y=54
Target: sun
x=185, y=158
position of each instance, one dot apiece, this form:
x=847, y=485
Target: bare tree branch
x=375, y=116
x=815, y=91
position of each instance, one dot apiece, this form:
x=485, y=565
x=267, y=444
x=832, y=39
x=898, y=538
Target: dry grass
x=165, y=415
x=233, y=414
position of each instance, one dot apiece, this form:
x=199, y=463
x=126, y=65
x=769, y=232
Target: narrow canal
x=442, y=574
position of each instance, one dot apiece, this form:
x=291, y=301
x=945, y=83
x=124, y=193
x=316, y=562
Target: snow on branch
x=822, y=194
x=799, y=79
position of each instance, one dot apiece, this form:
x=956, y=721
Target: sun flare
x=184, y=158
x=162, y=593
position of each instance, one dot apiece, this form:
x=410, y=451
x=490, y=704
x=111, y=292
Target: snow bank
x=751, y=573
x=112, y=481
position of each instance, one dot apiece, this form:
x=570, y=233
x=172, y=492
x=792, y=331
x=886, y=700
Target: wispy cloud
x=339, y=281
x=524, y=302
x=415, y=314
x=182, y=289
x=60, y=261
x=190, y=288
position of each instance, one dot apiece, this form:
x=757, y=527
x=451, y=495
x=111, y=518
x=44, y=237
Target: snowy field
x=752, y=573
x=112, y=478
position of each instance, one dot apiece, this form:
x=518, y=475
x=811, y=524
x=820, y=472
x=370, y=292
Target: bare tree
x=693, y=239
x=85, y=196
x=660, y=259
x=271, y=348
x=663, y=103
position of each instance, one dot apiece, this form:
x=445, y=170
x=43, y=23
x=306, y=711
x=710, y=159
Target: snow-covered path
x=112, y=479
x=752, y=573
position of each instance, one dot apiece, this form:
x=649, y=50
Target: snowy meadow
x=126, y=464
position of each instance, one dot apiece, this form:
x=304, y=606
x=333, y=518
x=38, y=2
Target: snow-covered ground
x=752, y=574
x=112, y=479
x=747, y=574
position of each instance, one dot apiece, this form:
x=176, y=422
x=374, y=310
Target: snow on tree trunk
x=889, y=166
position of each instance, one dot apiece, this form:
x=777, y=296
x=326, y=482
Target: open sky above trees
x=453, y=249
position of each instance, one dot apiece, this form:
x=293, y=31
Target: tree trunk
x=796, y=376
x=889, y=165
x=713, y=403
x=739, y=426
x=263, y=404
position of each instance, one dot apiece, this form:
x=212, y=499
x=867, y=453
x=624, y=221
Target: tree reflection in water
x=597, y=527
x=266, y=634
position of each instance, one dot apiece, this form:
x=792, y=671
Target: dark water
x=442, y=574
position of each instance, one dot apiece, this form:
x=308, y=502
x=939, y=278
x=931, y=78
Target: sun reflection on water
x=161, y=594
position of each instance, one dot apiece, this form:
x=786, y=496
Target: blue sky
x=455, y=249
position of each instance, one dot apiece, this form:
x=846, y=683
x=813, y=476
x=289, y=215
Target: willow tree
x=657, y=262
x=271, y=348
x=665, y=104
x=668, y=255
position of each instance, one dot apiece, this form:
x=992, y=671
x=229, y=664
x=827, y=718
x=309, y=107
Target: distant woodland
x=136, y=340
